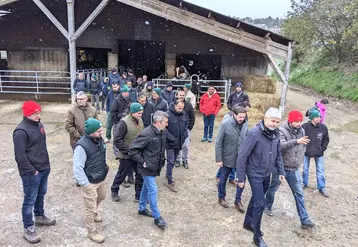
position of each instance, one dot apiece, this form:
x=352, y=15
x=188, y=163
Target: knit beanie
x=188, y=86
x=273, y=113
x=94, y=77
x=124, y=89
x=157, y=91
x=149, y=84
x=295, y=116
x=169, y=84
x=92, y=125
x=30, y=107
x=314, y=114
x=239, y=84
x=135, y=107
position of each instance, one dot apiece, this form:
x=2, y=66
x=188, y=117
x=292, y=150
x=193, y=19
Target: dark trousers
x=224, y=175
x=103, y=99
x=172, y=155
x=274, y=185
x=259, y=186
x=126, y=167
x=209, y=126
x=138, y=183
x=35, y=188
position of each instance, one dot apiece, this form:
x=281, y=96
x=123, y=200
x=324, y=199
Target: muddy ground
x=193, y=214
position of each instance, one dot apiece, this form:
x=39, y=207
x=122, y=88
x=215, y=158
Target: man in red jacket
x=210, y=105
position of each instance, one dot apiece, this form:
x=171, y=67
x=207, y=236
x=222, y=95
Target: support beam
x=267, y=35
x=238, y=25
x=209, y=15
x=287, y=75
x=90, y=18
x=52, y=18
x=72, y=45
x=275, y=67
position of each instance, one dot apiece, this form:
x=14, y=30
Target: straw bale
x=260, y=102
x=259, y=84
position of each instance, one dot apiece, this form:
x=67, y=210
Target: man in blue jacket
x=110, y=98
x=259, y=155
x=80, y=84
x=238, y=97
x=114, y=76
x=168, y=93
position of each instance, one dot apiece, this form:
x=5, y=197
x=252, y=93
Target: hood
x=116, y=76
x=215, y=92
x=320, y=106
x=172, y=109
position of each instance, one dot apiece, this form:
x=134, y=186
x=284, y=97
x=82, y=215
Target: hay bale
x=259, y=84
x=260, y=102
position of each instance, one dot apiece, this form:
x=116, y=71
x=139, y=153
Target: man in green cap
x=189, y=96
x=157, y=101
x=126, y=132
x=90, y=170
x=317, y=133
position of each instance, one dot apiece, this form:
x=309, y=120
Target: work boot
x=210, y=139
x=223, y=203
x=240, y=207
x=204, y=139
x=31, y=236
x=172, y=187
x=97, y=218
x=145, y=212
x=308, y=224
x=160, y=222
x=177, y=163
x=185, y=164
x=96, y=237
x=44, y=221
x=232, y=182
x=259, y=242
x=115, y=196
x=126, y=184
x=130, y=180
x=323, y=192
x=268, y=212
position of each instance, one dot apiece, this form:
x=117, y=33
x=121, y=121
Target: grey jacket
x=292, y=152
x=228, y=141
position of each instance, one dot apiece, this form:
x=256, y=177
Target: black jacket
x=80, y=85
x=168, y=96
x=190, y=115
x=160, y=105
x=236, y=98
x=177, y=128
x=133, y=79
x=95, y=87
x=30, y=147
x=148, y=151
x=147, y=115
x=120, y=108
x=319, y=139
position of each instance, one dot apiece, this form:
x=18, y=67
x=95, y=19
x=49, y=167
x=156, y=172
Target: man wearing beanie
x=148, y=90
x=126, y=132
x=95, y=89
x=148, y=110
x=292, y=141
x=317, y=133
x=120, y=106
x=258, y=156
x=114, y=93
x=189, y=96
x=76, y=117
x=34, y=167
x=238, y=97
x=157, y=101
x=168, y=93
x=90, y=169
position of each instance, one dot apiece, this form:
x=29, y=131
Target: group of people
x=154, y=131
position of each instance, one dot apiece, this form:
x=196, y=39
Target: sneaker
x=160, y=222
x=185, y=164
x=172, y=187
x=323, y=192
x=204, y=139
x=308, y=224
x=96, y=237
x=268, y=212
x=136, y=199
x=106, y=140
x=31, y=236
x=115, y=196
x=126, y=184
x=210, y=139
x=97, y=218
x=177, y=163
x=145, y=212
x=130, y=180
x=44, y=221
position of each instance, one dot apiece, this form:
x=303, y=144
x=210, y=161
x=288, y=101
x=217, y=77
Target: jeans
x=224, y=174
x=172, y=154
x=95, y=101
x=35, y=188
x=259, y=186
x=274, y=185
x=209, y=125
x=109, y=125
x=321, y=181
x=183, y=155
x=149, y=193
x=125, y=168
x=103, y=99
x=231, y=175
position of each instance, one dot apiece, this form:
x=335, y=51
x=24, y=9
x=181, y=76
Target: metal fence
x=101, y=73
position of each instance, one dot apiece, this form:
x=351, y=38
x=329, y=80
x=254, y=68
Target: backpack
x=308, y=112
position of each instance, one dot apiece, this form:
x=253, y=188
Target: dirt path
x=193, y=215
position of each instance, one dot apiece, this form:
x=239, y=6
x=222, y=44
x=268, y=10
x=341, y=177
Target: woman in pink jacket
x=322, y=107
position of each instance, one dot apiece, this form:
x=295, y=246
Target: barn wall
x=236, y=67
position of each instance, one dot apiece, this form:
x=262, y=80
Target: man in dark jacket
x=80, y=84
x=132, y=78
x=123, y=79
x=293, y=141
x=148, y=110
x=95, y=89
x=157, y=101
x=238, y=97
x=259, y=155
x=140, y=84
x=148, y=151
x=133, y=93
x=317, y=133
x=177, y=132
x=34, y=167
x=168, y=93
x=114, y=77
x=228, y=142
x=112, y=95
x=90, y=169
x=105, y=88
x=190, y=115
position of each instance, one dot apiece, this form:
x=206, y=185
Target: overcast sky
x=247, y=8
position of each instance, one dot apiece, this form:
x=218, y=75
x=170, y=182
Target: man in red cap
x=293, y=141
x=34, y=167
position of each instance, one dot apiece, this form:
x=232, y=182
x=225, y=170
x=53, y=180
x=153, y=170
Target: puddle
x=351, y=126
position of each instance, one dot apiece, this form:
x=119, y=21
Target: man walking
x=148, y=90
x=148, y=110
x=157, y=101
x=168, y=93
x=190, y=115
x=90, y=169
x=114, y=76
x=189, y=96
x=105, y=88
x=259, y=154
x=317, y=133
x=293, y=141
x=238, y=97
x=126, y=132
x=210, y=105
x=95, y=89
x=114, y=93
x=148, y=151
x=228, y=142
x=80, y=84
x=120, y=106
x=33, y=163
x=76, y=117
